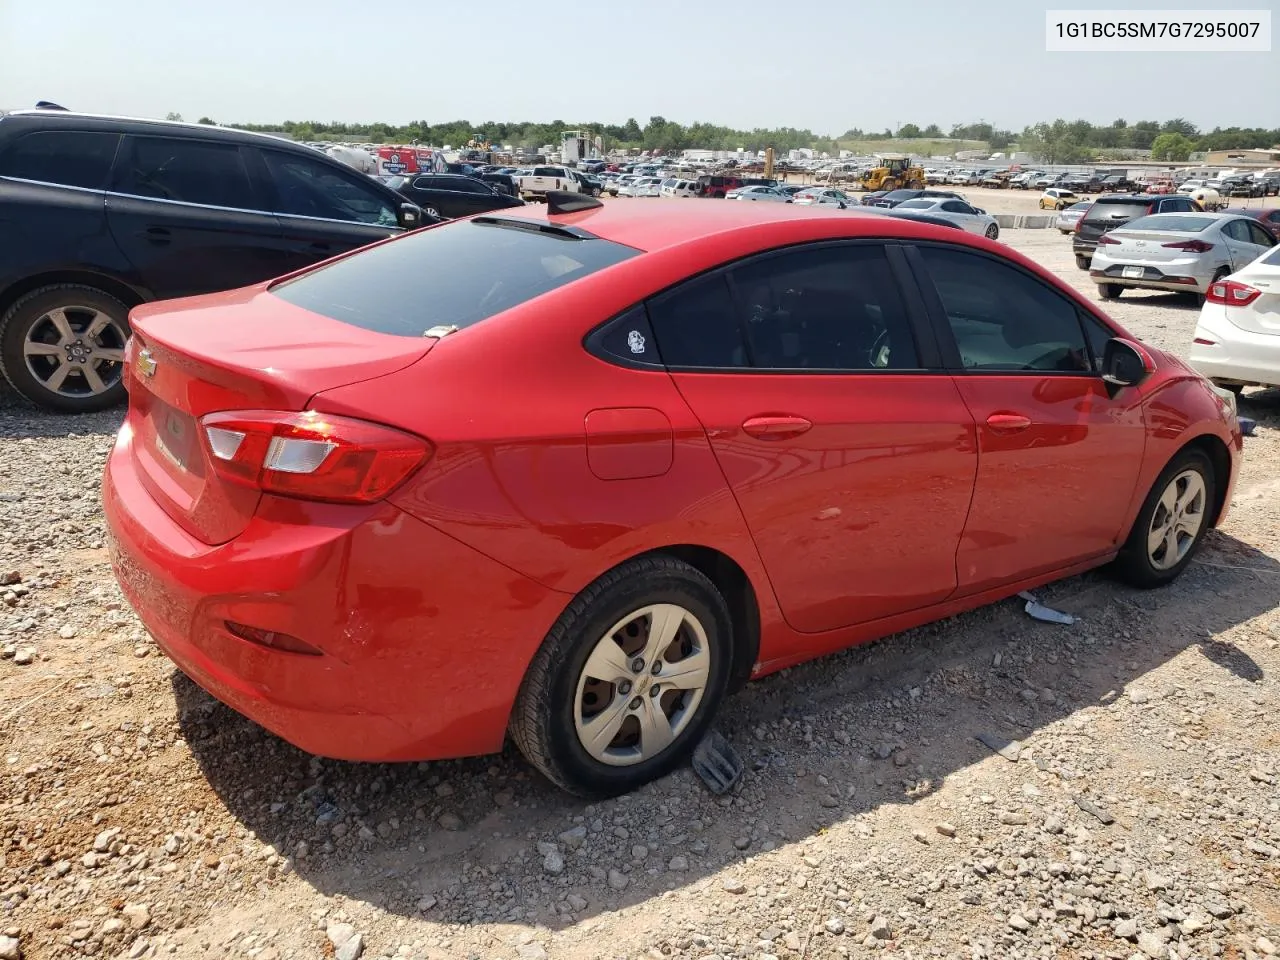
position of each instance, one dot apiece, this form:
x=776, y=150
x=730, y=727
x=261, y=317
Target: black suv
x=101, y=214
x=1117, y=209
x=452, y=195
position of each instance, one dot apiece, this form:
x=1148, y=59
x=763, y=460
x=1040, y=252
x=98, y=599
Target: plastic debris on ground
x=1038, y=611
x=717, y=763
x=1247, y=425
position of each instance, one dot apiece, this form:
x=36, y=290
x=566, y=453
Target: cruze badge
x=146, y=364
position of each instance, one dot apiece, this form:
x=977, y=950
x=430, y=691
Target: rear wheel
x=992, y=231
x=916, y=185
x=62, y=348
x=1171, y=524
x=628, y=680
x=1110, y=291
x=1082, y=262
x=889, y=184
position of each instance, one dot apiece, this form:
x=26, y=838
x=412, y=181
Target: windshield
x=1171, y=221
x=900, y=194
x=456, y=275
x=916, y=204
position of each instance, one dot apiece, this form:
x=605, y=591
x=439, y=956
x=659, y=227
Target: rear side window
x=186, y=171
x=313, y=188
x=696, y=325
x=452, y=275
x=66, y=157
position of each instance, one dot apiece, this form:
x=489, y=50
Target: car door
x=962, y=214
x=189, y=217
x=1058, y=457
x=1241, y=243
x=322, y=209
x=851, y=460
x=424, y=191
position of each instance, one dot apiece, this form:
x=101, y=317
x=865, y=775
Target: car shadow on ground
x=20, y=419
x=883, y=725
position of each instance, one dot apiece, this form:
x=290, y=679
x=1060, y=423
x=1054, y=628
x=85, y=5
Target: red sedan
x=574, y=473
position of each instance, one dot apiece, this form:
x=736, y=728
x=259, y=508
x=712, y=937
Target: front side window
x=1004, y=319
x=311, y=188
x=66, y=157
x=186, y=171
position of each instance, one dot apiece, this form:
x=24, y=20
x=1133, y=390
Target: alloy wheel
x=641, y=685
x=1177, y=520
x=75, y=351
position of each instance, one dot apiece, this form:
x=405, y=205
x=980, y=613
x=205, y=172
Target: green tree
x=932, y=130
x=631, y=131
x=1171, y=146
x=1179, y=125
x=909, y=131
x=175, y=117
x=207, y=122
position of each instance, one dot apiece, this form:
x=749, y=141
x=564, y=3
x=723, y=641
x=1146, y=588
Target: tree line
x=1056, y=141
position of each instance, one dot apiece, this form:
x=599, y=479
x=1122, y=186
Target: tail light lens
x=1232, y=293
x=311, y=455
x=1194, y=246
x=1104, y=240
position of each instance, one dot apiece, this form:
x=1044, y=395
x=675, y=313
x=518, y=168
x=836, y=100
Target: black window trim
x=953, y=365
x=918, y=321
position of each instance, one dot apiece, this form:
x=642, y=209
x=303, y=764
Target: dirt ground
x=1137, y=814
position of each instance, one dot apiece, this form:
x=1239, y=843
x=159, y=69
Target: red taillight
x=1194, y=246
x=311, y=455
x=1232, y=293
x=1104, y=240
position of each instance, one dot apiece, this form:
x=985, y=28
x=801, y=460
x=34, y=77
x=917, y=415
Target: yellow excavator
x=891, y=172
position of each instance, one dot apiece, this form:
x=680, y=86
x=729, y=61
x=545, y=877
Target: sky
x=740, y=63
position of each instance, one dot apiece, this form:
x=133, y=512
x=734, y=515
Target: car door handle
x=156, y=234
x=775, y=428
x=1008, y=422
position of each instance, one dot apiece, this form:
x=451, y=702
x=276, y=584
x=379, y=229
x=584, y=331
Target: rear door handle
x=156, y=234
x=1008, y=422
x=775, y=428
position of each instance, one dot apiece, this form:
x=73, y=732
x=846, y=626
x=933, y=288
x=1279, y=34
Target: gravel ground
x=1136, y=814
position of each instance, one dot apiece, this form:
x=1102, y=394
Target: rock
x=1126, y=929
x=10, y=949
x=1264, y=947
x=138, y=915
x=1152, y=945
x=552, y=860
x=1138, y=695
x=678, y=864
x=639, y=852
x=352, y=948
x=1053, y=825
x=102, y=842
x=734, y=885
x=67, y=631
x=1013, y=819
x=531, y=951
x=573, y=838
x=834, y=926
x=112, y=926
x=139, y=948
x=576, y=903
x=946, y=829
x=450, y=821
x=1262, y=849
x=426, y=903
x=24, y=656
x=742, y=843
x=1094, y=811
x=1011, y=750
x=1019, y=922
x=618, y=880
x=880, y=929
x=339, y=933
x=1155, y=881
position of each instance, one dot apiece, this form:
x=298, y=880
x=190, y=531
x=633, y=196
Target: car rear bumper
x=1235, y=355
x=1177, y=276
x=424, y=641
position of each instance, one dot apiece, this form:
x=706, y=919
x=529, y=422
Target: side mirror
x=1125, y=364
x=411, y=216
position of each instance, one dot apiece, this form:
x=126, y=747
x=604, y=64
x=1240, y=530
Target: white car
x=676, y=187
x=758, y=192
x=1237, y=339
x=818, y=197
x=641, y=187
x=963, y=215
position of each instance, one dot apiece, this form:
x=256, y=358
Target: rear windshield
x=456, y=274
x=1103, y=210
x=1170, y=221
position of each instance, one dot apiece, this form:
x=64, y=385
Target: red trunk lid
x=243, y=350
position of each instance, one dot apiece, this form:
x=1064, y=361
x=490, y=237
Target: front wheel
x=992, y=231
x=628, y=680
x=1171, y=524
x=62, y=347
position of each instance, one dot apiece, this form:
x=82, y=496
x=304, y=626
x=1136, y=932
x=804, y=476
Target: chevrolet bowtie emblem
x=146, y=364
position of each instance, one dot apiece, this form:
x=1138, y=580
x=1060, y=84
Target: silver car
x=1068, y=217
x=963, y=215
x=758, y=192
x=1186, y=252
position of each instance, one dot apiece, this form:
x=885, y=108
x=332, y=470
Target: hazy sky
x=743, y=63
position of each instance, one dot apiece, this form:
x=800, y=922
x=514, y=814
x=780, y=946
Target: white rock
x=24, y=656
x=67, y=631
x=574, y=837
x=678, y=864
x=10, y=949
x=618, y=880
x=138, y=915
x=339, y=933
x=834, y=926
x=352, y=949
x=734, y=885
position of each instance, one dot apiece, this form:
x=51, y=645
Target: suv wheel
x=62, y=348
x=1082, y=262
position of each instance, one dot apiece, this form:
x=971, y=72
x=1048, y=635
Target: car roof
x=653, y=227
x=53, y=119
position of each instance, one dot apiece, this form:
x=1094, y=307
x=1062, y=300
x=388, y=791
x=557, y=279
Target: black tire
x=1134, y=565
x=1110, y=291
x=542, y=721
x=1082, y=262
x=18, y=321
x=992, y=232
